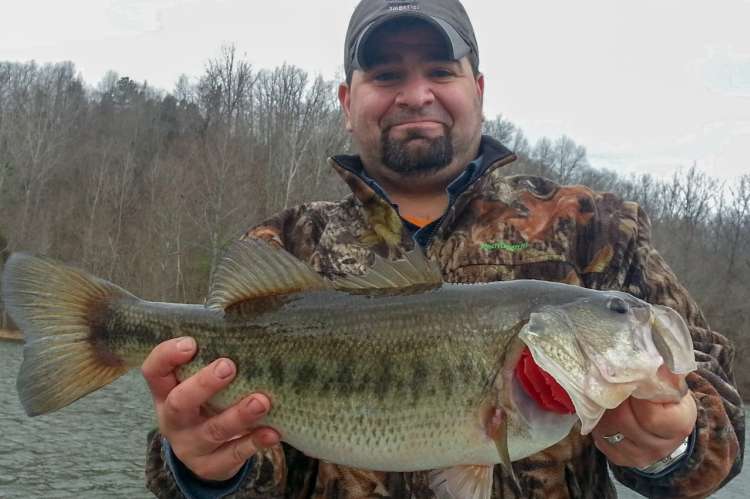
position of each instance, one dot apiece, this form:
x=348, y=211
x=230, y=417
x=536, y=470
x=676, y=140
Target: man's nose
x=416, y=92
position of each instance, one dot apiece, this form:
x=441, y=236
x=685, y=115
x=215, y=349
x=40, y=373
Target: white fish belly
x=408, y=447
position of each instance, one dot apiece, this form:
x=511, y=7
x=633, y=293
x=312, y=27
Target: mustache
x=401, y=117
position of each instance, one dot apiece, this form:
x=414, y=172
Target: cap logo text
x=401, y=6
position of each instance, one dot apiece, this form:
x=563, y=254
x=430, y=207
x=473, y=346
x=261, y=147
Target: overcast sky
x=645, y=85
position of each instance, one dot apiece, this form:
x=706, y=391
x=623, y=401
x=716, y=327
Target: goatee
x=418, y=159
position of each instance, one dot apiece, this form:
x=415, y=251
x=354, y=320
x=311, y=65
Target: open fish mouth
x=620, y=348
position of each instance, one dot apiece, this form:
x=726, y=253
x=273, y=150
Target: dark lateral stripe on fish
x=333, y=381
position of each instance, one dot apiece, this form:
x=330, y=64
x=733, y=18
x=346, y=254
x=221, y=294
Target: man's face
x=412, y=111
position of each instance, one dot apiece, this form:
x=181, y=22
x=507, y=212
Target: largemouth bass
x=393, y=370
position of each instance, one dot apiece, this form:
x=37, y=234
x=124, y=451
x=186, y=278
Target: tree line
x=146, y=187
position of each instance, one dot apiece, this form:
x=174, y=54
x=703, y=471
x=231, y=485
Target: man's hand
x=652, y=430
x=213, y=447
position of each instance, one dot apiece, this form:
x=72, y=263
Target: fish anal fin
x=462, y=482
x=256, y=275
x=412, y=274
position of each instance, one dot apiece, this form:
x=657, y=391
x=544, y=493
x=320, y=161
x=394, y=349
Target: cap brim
x=456, y=45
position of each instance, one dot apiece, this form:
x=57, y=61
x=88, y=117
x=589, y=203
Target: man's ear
x=345, y=102
x=479, y=82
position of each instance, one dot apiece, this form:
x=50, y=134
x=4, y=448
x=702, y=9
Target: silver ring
x=614, y=439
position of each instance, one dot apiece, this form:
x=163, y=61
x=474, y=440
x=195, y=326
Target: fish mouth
x=672, y=339
x=644, y=359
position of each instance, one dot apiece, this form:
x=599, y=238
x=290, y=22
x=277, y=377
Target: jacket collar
x=492, y=155
x=383, y=215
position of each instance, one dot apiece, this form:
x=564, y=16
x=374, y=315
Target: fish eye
x=618, y=305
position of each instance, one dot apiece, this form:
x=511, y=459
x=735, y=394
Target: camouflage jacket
x=502, y=228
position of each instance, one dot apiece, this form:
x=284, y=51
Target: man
x=425, y=176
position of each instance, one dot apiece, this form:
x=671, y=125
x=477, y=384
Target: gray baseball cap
x=447, y=16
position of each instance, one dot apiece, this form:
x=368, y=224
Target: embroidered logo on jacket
x=502, y=245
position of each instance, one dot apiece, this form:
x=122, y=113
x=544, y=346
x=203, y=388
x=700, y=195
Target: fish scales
x=376, y=386
x=339, y=367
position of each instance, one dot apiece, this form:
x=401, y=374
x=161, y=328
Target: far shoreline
x=10, y=335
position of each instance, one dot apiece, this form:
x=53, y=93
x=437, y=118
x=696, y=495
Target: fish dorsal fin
x=462, y=482
x=253, y=269
x=412, y=274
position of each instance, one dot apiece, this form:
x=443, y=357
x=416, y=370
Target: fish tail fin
x=60, y=310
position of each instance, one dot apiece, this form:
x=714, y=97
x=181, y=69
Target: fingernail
x=256, y=406
x=186, y=344
x=223, y=369
x=267, y=437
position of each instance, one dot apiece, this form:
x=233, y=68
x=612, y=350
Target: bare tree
x=738, y=226
x=224, y=93
x=40, y=121
x=543, y=155
x=224, y=90
x=500, y=129
x=568, y=159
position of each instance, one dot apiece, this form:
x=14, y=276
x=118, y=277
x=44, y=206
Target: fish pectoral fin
x=412, y=274
x=501, y=442
x=462, y=482
x=255, y=270
x=497, y=429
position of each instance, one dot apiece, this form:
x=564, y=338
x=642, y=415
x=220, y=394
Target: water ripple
x=91, y=449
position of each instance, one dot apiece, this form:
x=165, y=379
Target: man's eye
x=386, y=76
x=441, y=73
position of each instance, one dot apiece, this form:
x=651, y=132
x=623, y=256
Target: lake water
x=95, y=448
